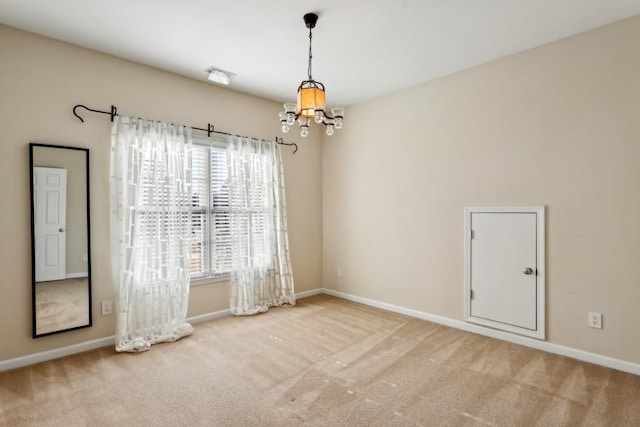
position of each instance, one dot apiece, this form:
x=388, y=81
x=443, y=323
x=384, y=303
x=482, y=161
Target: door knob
x=61, y=230
x=528, y=270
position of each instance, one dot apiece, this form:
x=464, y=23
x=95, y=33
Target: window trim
x=206, y=280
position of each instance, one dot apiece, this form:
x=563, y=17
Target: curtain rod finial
x=75, y=113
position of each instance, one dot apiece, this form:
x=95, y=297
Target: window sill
x=209, y=280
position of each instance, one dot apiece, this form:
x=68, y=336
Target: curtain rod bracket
x=280, y=141
x=112, y=113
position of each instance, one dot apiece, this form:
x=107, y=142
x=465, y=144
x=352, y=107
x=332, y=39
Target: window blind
x=211, y=237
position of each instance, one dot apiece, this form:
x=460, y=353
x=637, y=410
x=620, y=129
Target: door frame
x=540, y=330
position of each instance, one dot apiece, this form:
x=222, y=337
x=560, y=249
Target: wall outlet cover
x=594, y=320
x=107, y=307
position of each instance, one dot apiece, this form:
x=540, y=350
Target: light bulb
x=304, y=131
x=338, y=122
x=318, y=117
x=283, y=122
x=329, y=130
x=337, y=112
x=291, y=119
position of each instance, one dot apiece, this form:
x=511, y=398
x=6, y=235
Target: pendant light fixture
x=311, y=100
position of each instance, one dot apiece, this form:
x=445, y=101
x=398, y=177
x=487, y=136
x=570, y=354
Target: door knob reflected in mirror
x=528, y=270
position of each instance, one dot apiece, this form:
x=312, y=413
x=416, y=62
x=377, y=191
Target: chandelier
x=311, y=100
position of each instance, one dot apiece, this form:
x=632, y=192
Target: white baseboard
x=312, y=292
x=76, y=275
x=32, y=359
x=585, y=356
x=194, y=320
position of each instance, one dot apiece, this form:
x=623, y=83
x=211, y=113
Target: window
x=211, y=217
x=211, y=232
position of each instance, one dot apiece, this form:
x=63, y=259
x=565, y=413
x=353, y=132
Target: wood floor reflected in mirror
x=61, y=305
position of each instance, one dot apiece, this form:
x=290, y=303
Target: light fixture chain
x=310, y=56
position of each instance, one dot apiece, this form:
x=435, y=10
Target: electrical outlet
x=594, y=320
x=107, y=307
x=339, y=273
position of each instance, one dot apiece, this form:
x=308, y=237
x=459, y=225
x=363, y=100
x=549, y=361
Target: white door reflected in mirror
x=50, y=202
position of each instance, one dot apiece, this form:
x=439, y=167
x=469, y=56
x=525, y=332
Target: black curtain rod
x=209, y=130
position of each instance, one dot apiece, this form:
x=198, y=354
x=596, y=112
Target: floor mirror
x=60, y=238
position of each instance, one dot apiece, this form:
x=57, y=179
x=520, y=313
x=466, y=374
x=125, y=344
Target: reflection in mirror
x=60, y=243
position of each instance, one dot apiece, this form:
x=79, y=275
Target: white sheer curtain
x=261, y=275
x=150, y=229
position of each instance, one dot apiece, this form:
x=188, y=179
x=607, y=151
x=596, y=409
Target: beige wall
x=557, y=126
x=40, y=81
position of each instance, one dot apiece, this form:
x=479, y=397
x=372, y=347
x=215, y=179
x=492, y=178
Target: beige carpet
x=61, y=305
x=326, y=362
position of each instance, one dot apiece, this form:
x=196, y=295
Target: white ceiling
x=362, y=48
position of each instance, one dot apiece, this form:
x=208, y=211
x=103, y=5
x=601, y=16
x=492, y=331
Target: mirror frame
x=33, y=145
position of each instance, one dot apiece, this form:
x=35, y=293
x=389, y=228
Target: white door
x=504, y=269
x=50, y=205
